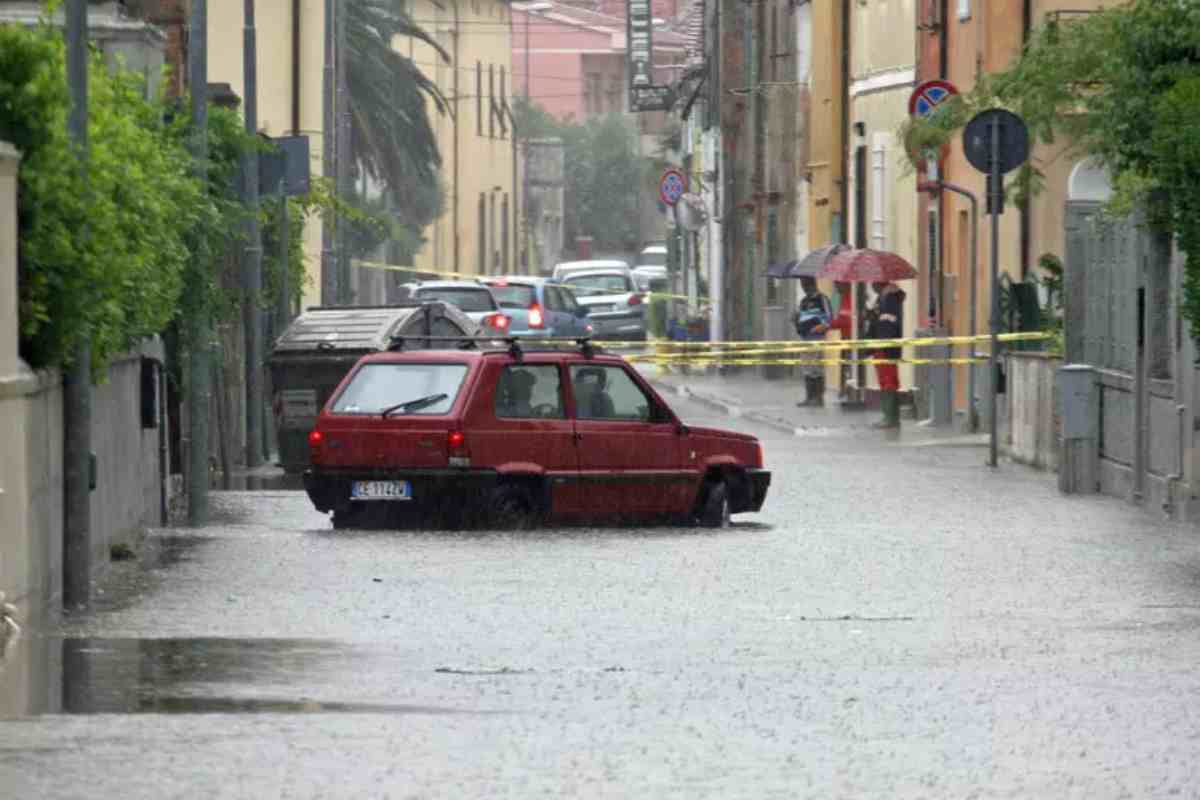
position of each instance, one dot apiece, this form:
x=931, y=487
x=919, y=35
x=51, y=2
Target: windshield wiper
x=414, y=405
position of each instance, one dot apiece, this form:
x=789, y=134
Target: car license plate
x=381, y=490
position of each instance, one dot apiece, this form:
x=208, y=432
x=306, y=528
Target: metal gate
x=1120, y=300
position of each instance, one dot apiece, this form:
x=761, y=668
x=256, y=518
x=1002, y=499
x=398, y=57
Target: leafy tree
x=603, y=173
x=390, y=134
x=1123, y=85
x=102, y=255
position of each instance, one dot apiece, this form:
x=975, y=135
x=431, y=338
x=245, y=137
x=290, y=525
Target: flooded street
x=964, y=633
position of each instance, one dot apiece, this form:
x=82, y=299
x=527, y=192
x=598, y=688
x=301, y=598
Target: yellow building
x=882, y=189
x=291, y=55
x=477, y=233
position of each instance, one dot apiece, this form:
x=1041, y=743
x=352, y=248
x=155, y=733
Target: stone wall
x=129, y=487
x=1034, y=431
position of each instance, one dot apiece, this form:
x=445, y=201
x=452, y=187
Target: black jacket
x=887, y=319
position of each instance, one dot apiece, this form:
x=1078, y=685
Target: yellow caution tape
x=675, y=361
x=470, y=276
x=793, y=346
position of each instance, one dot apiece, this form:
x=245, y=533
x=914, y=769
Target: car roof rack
x=515, y=345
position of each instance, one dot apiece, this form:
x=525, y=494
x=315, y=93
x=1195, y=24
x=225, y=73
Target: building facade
x=478, y=232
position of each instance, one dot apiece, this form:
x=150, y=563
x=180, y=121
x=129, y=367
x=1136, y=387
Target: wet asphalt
x=899, y=621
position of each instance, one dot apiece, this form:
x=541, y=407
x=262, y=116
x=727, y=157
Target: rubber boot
x=889, y=403
x=808, y=394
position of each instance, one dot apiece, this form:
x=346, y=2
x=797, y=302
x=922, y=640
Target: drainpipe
x=1175, y=477
x=1026, y=215
x=944, y=40
x=77, y=383
x=844, y=88
x=296, y=67
x=454, y=123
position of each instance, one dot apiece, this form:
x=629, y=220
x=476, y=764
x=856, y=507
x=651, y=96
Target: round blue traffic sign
x=671, y=186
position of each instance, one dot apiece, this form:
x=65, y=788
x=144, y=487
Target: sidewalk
x=752, y=397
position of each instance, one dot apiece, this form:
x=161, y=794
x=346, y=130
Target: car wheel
x=715, y=510
x=511, y=508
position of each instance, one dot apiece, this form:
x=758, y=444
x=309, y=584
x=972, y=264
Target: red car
x=516, y=436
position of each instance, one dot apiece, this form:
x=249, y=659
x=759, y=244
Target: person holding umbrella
x=813, y=317
x=886, y=321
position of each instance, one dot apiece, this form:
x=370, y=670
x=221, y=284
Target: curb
x=727, y=407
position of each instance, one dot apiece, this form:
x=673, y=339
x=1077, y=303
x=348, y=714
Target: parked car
x=651, y=278
x=653, y=255
x=311, y=357
x=614, y=303
x=471, y=297
x=567, y=268
x=539, y=307
x=515, y=436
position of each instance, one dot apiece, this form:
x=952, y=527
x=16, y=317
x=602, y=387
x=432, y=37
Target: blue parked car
x=539, y=306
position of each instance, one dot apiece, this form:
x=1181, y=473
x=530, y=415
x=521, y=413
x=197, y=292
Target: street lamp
x=527, y=9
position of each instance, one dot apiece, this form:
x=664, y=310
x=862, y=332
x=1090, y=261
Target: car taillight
x=497, y=321
x=315, y=439
x=456, y=449
x=635, y=299
x=758, y=454
x=536, y=318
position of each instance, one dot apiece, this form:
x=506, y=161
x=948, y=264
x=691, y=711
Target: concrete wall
x=128, y=493
x=1034, y=429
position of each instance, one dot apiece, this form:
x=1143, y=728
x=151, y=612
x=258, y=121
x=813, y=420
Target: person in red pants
x=887, y=322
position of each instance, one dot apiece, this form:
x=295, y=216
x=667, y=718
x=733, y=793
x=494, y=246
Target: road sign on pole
x=926, y=98
x=995, y=142
x=671, y=186
x=1011, y=140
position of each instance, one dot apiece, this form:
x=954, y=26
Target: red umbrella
x=867, y=266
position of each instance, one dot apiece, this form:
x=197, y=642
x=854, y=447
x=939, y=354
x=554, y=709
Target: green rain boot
x=889, y=403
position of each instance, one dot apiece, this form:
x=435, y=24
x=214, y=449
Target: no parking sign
x=671, y=186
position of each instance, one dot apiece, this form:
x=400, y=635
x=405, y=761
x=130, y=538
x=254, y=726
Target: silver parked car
x=473, y=299
x=615, y=306
x=565, y=269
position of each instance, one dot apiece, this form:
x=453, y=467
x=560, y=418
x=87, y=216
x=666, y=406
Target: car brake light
x=315, y=438
x=635, y=299
x=536, y=318
x=497, y=321
x=456, y=449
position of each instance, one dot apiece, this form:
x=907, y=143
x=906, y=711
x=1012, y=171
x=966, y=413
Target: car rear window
x=465, y=299
x=599, y=284
x=375, y=388
x=513, y=295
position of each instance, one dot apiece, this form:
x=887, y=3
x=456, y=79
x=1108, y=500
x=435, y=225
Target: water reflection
x=81, y=675
x=264, y=480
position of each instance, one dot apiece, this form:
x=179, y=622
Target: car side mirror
x=682, y=430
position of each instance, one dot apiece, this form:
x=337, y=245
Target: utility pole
x=199, y=386
x=252, y=269
x=329, y=276
x=77, y=386
x=345, y=184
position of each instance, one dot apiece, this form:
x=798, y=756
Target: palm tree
x=391, y=138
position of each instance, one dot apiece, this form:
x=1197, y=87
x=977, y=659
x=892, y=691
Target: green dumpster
x=321, y=345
